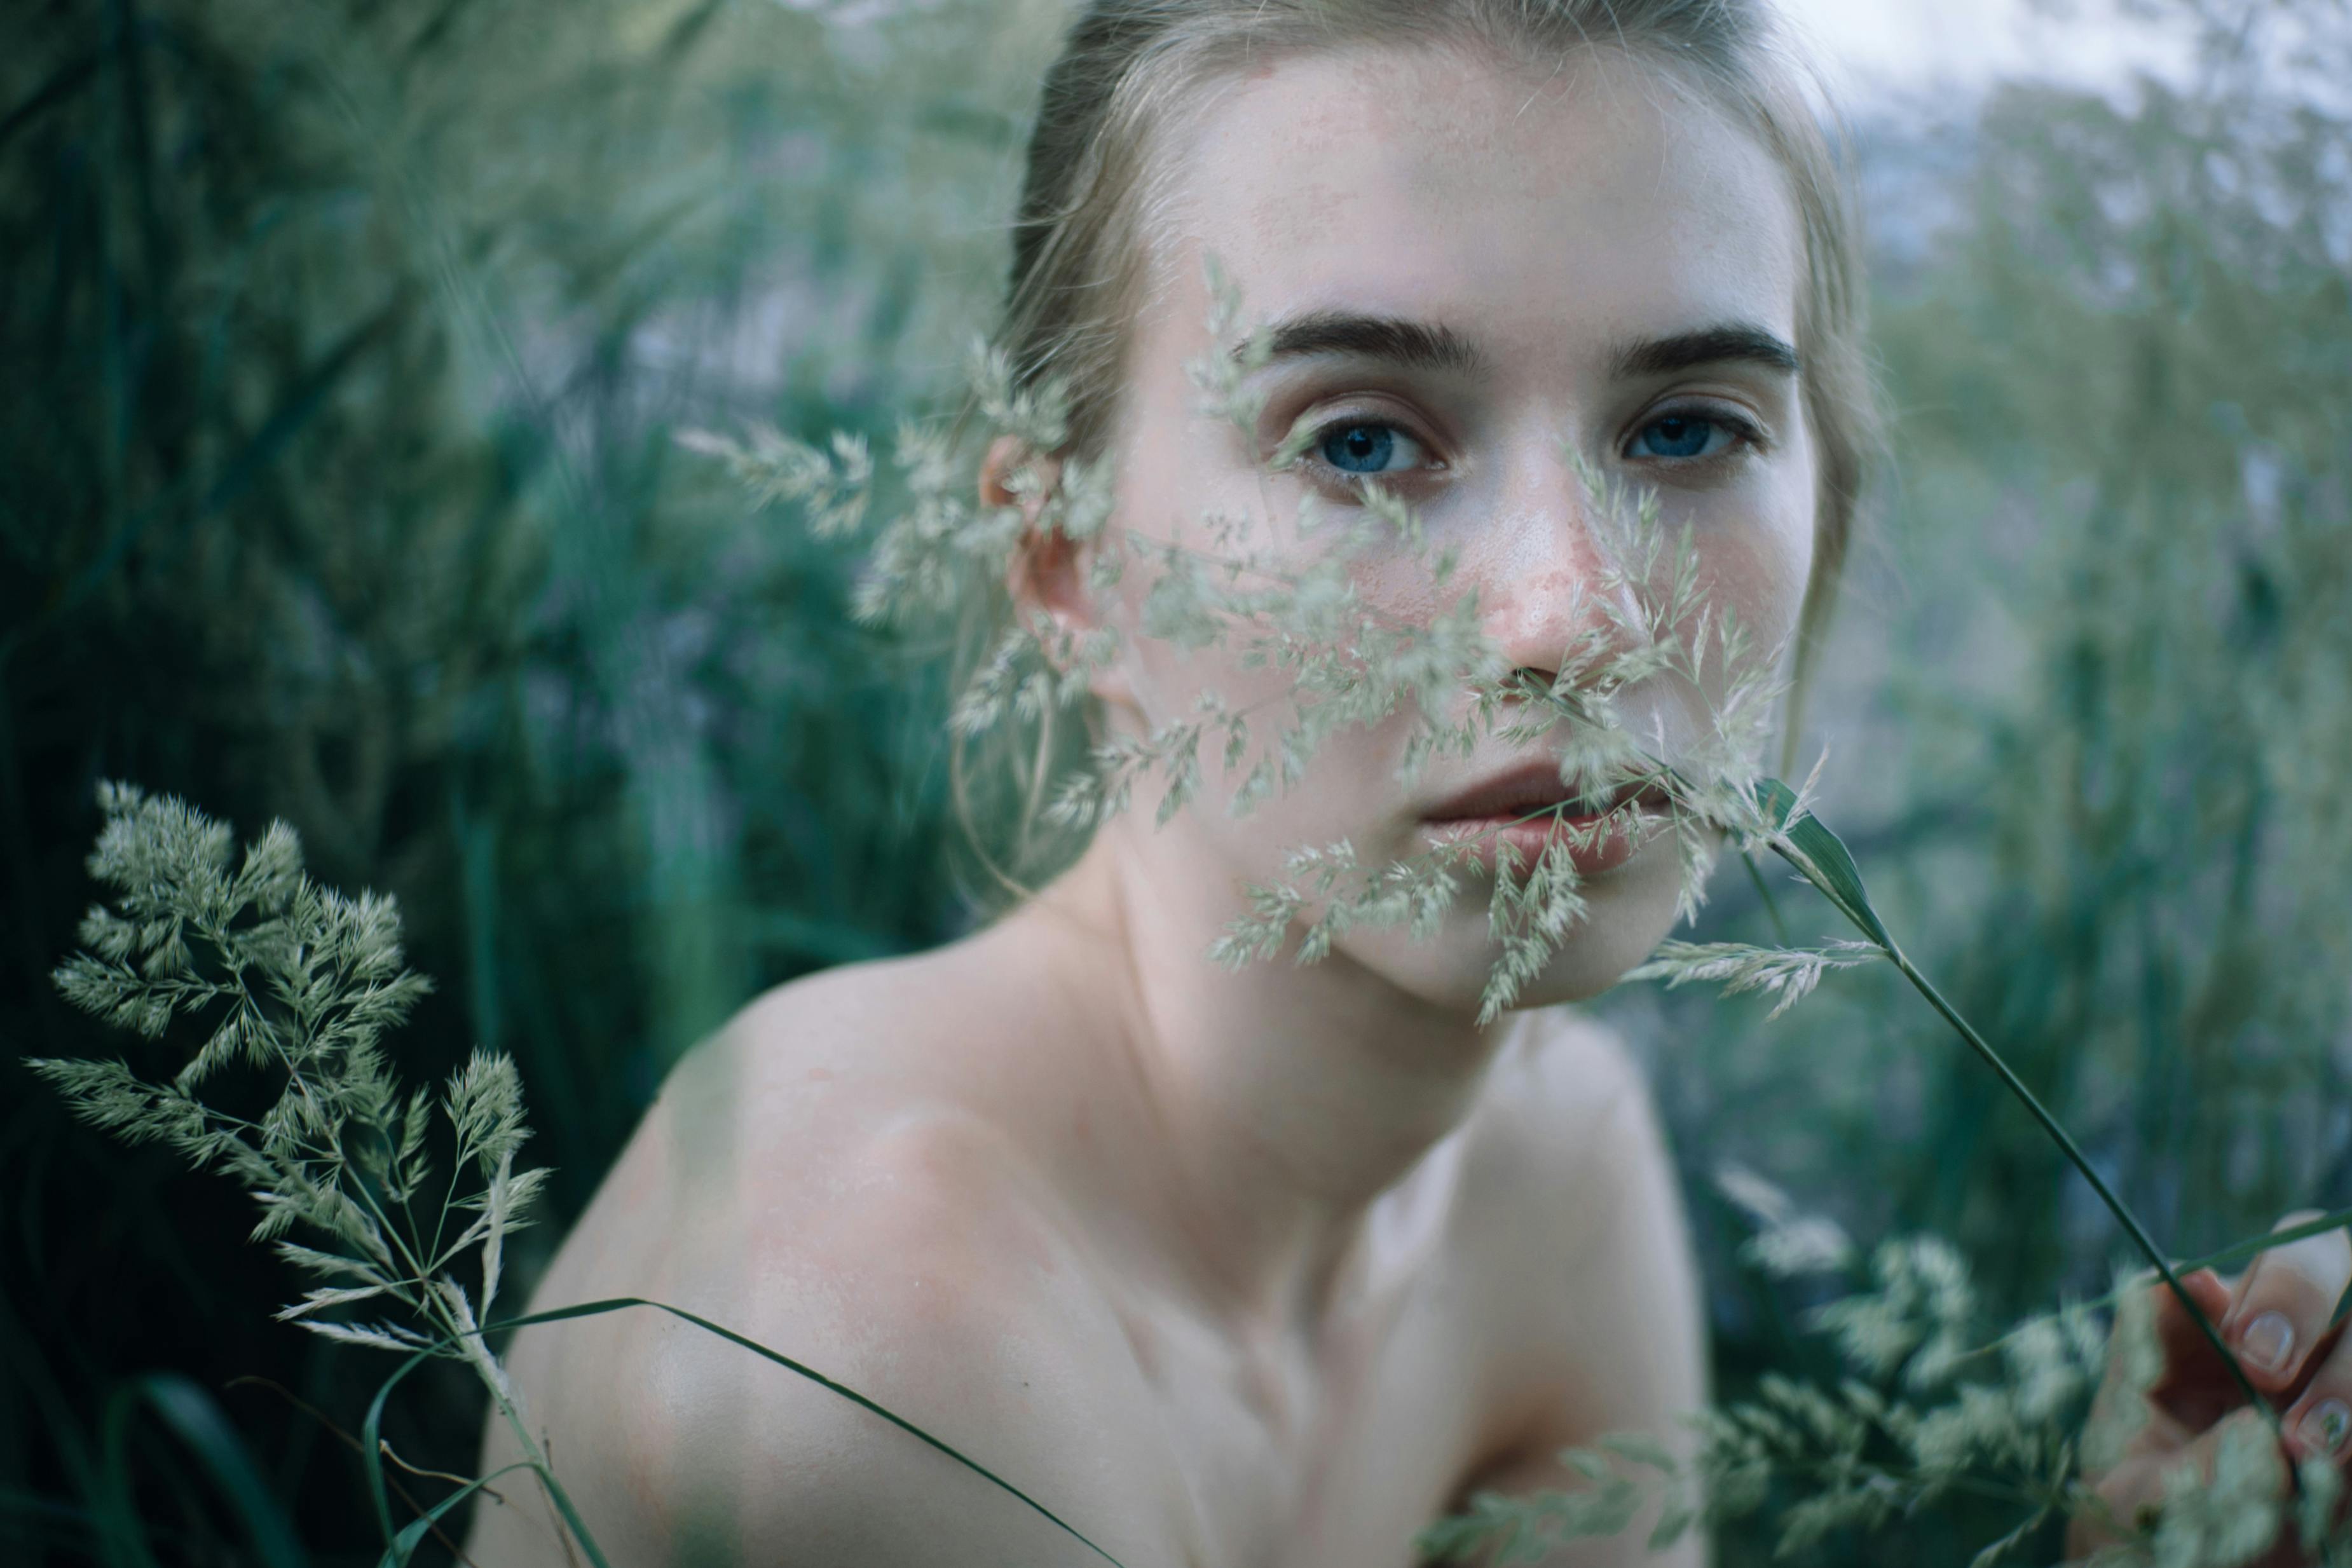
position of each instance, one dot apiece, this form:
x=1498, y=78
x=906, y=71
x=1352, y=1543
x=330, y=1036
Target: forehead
x=1535, y=210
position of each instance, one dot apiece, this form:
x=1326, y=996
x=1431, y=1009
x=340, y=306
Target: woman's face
x=1474, y=274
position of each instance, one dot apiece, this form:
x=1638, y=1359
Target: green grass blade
x=2237, y=1252
x=371, y=1461
x=2107, y=1194
x=1763, y=891
x=1820, y=857
x=191, y=1416
x=403, y=1545
x=2284, y=1235
x=782, y=1360
x=372, y=1444
x=29, y=1517
x=616, y=1304
x=371, y=1432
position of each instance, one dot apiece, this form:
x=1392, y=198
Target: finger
x=2283, y=1306
x=2195, y=1388
x=2319, y=1423
x=2179, y=1333
x=2132, y=1494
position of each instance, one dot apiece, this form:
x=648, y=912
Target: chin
x=1628, y=912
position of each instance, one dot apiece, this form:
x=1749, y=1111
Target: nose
x=1554, y=584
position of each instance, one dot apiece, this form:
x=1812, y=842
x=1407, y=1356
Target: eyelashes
x=1362, y=448
x=1348, y=449
x=1344, y=452
x=1685, y=435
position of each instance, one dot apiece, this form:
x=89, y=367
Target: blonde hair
x=1080, y=241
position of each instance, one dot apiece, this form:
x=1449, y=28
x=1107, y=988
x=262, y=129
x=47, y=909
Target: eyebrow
x=1426, y=345
x=1731, y=343
x=1419, y=345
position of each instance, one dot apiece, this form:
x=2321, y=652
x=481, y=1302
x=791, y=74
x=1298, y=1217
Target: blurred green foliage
x=347, y=345
x=2091, y=706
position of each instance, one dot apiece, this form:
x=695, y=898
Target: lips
x=1530, y=787
x=1503, y=810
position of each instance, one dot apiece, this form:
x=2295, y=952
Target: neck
x=1276, y=1103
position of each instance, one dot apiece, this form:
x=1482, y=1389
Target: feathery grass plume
x=1916, y=1320
x=1530, y=911
x=2138, y=1363
x=1787, y=1241
x=300, y=983
x=1523, y=1530
x=310, y=980
x=2319, y=1486
x=1222, y=375
x=1788, y=973
x=1915, y=1418
x=1773, y=815
x=2229, y=1517
x=832, y=484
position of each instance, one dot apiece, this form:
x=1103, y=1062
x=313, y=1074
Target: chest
x=1332, y=1453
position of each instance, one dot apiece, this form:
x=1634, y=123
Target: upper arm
x=898, y=1264
x=1615, y=1328
x=692, y=1449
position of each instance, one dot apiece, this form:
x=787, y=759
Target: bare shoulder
x=818, y=1179
x=1567, y=1103
x=1566, y=1166
x=839, y=1103
x=1593, y=1295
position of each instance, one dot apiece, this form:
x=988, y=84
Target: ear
x=1044, y=573
x=1047, y=572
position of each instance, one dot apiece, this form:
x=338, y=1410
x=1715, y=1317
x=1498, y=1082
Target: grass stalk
x=2081, y=1162
x=545, y=1471
x=1821, y=859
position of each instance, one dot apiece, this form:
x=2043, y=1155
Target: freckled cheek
x=1165, y=495
x=1403, y=586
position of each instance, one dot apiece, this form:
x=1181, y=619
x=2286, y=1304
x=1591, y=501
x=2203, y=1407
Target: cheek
x=1188, y=500
x=1791, y=568
x=1757, y=564
x=1798, y=524
x=1345, y=791
x=1777, y=564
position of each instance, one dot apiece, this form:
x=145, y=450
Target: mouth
x=1530, y=809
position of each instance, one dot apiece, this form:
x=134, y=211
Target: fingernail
x=2267, y=1340
x=2325, y=1425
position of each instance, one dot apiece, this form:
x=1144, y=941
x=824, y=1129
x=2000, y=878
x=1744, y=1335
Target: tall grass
x=343, y=492
x=2121, y=370
x=346, y=493
x=2089, y=695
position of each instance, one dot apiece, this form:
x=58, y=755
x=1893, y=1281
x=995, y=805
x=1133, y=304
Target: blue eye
x=1367, y=448
x=1680, y=436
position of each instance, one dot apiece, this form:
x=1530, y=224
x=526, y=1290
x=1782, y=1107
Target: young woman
x=1269, y=1267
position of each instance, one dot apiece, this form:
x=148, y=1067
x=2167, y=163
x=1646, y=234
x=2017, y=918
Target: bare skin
x=983, y=1225
x=1266, y=1269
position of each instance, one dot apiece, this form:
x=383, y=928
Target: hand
x=2275, y=1318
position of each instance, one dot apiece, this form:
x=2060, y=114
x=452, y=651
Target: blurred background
x=345, y=346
